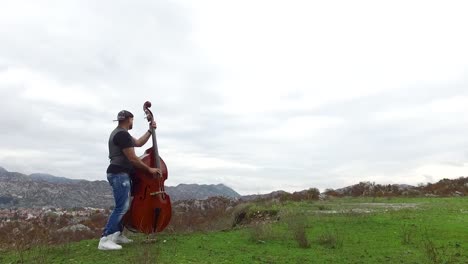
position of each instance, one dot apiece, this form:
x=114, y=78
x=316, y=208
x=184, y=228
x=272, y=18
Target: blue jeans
x=121, y=186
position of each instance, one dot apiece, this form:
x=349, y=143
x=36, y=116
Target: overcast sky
x=258, y=95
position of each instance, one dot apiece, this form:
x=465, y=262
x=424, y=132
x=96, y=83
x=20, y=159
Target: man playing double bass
x=123, y=162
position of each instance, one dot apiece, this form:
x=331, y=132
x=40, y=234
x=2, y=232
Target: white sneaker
x=119, y=238
x=106, y=243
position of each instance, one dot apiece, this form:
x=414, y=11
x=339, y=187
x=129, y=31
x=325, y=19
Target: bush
x=297, y=225
x=330, y=239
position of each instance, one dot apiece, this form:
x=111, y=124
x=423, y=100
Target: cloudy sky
x=258, y=95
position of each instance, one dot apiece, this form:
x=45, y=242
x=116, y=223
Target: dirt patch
x=390, y=205
x=366, y=208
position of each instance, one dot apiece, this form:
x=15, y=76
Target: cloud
x=277, y=96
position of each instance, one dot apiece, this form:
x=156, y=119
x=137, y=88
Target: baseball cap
x=122, y=115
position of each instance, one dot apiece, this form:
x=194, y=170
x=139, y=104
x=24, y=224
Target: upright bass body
x=150, y=209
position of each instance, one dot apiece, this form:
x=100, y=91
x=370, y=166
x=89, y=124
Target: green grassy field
x=342, y=230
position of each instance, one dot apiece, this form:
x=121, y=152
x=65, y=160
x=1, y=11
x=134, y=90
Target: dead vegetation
x=49, y=230
x=444, y=187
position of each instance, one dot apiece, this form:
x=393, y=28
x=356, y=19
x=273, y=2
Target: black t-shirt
x=119, y=162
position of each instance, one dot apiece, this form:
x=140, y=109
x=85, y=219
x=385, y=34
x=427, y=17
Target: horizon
x=245, y=194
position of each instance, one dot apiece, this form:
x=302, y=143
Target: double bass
x=150, y=209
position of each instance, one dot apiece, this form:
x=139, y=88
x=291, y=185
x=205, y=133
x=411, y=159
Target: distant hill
x=444, y=187
x=272, y=195
x=51, y=178
x=39, y=190
x=200, y=192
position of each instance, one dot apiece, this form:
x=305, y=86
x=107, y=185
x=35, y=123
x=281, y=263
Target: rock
x=74, y=228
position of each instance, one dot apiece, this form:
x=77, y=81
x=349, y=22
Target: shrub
x=261, y=232
x=330, y=239
x=298, y=224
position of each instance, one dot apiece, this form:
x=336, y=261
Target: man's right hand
x=155, y=172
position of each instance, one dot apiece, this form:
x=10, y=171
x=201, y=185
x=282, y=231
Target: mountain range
x=39, y=190
x=45, y=190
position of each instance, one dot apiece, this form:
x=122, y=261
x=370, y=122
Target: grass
x=344, y=230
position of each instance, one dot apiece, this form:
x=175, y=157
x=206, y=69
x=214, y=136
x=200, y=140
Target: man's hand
x=153, y=124
x=155, y=172
x=130, y=154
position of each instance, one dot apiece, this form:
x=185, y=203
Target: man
x=123, y=162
